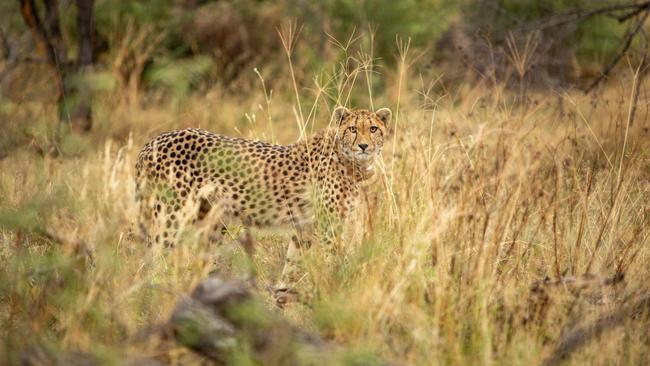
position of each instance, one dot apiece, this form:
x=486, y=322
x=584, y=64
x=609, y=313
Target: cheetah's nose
x=363, y=147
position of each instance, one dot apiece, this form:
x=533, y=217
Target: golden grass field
x=500, y=222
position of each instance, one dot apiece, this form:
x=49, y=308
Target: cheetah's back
x=182, y=176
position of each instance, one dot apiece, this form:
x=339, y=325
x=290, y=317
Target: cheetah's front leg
x=293, y=276
x=294, y=284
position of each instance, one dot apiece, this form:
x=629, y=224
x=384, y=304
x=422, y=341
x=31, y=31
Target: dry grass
x=480, y=198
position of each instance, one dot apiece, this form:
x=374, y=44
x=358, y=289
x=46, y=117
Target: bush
x=489, y=32
x=422, y=21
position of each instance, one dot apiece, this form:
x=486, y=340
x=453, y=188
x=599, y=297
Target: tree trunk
x=81, y=115
x=86, y=27
x=53, y=29
x=73, y=91
x=43, y=43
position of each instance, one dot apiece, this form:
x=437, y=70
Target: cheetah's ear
x=340, y=113
x=384, y=115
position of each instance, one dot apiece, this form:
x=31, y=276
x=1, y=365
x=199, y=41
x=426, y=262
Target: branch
x=580, y=336
x=30, y=15
x=580, y=15
x=626, y=45
x=634, y=12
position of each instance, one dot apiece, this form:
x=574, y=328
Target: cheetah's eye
x=353, y=129
x=373, y=129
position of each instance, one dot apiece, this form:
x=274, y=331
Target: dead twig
x=541, y=292
x=580, y=336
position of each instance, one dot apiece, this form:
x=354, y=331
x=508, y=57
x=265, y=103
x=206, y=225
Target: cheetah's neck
x=321, y=150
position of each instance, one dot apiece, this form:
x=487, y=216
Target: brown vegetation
x=505, y=226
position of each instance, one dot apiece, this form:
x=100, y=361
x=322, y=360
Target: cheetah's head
x=361, y=132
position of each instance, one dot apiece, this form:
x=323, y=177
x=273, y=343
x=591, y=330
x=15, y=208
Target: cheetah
x=194, y=176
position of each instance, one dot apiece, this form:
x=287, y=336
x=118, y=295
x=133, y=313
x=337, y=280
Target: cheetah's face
x=361, y=132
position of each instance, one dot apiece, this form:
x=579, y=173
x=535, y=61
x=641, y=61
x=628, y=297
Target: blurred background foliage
x=179, y=45
x=158, y=51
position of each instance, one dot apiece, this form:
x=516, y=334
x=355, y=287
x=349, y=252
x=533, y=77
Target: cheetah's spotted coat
x=227, y=180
